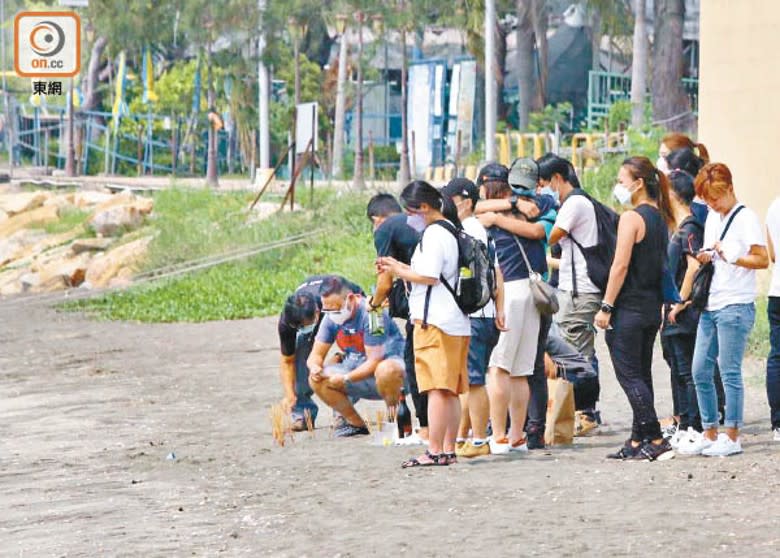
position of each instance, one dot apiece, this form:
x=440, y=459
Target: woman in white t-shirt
x=773, y=310
x=725, y=324
x=441, y=329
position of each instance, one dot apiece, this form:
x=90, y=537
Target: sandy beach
x=124, y=439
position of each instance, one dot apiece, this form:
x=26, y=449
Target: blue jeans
x=303, y=391
x=722, y=337
x=773, y=361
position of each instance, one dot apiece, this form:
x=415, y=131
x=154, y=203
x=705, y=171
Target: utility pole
x=639, y=65
x=338, y=133
x=70, y=159
x=263, y=80
x=490, y=81
x=8, y=128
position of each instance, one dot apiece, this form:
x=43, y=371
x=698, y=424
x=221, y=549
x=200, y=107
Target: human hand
x=602, y=319
x=389, y=264
x=501, y=321
x=676, y=309
x=704, y=256
x=315, y=372
x=289, y=401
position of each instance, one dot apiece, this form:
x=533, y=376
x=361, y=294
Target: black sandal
x=435, y=461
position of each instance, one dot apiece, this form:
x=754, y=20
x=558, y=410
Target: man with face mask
x=372, y=366
x=298, y=324
x=396, y=235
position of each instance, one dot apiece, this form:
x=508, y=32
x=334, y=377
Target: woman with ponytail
x=676, y=140
x=441, y=329
x=631, y=309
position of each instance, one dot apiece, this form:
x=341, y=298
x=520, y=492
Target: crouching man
x=372, y=365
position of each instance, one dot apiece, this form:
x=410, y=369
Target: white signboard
x=47, y=44
x=305, y=126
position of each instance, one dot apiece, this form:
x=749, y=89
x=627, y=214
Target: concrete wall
x=739, y=94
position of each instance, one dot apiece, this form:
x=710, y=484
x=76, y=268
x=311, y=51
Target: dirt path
x=90, y=410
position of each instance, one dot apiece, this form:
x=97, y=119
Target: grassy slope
x=191, y=224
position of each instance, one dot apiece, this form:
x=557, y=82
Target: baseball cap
x=462, y=187
x=492, y=171
x=523, y=176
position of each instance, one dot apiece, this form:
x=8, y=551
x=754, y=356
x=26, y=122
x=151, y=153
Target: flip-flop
x=435, y=461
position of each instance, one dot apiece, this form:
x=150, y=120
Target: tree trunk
x=490, y=80
x=91, y=97
x=500, y=69
x=595, y=39
x=525, y=61
x=404, y=176
x=539, y=22
x=211, y=160
x=671, y=107
x=338, y=134
x=639, y=65
x=357, y=178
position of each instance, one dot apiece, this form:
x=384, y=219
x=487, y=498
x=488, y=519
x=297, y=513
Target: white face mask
x=622, y=194
x=340, y=317
x=547, y=191
x=662, y=165
x=416, y=221
x=305, y=330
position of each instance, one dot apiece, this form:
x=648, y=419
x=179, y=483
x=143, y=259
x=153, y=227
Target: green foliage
x=545, y=120
x=192, y=224
x=68, y=219
x=758, y=343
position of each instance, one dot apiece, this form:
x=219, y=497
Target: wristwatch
x=347, y=382
x=606, y=307
x=513, y=203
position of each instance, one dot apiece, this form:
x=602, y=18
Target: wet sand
x=90, y=411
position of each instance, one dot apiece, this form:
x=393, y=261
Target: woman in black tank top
x=631, y=309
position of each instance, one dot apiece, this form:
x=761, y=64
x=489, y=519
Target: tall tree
x=639, y=65
x=671, y=106
x=539, y=22
x=525, y=60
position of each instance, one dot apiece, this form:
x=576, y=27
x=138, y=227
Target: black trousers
x=537, y=406
x=678, y=352
x=630, y=343
x=420, y=400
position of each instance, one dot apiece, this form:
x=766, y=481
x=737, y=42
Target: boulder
x=18, y=244
x=105, y=266
x=124, y=214
x=3, y=215
x=90, y=245
x=62, y=201
x=13, y=204
x=9, y=282
x=38, y=216
x=61, y=273
x=89, y=198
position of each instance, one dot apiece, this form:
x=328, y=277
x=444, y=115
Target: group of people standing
x=479, y=382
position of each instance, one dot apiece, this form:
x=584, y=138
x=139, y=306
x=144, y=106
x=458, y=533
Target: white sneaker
x=693, y=443
x=670, y=430
x=519, y=448
x=679, y=436
x=497, y=448
x=777, y=434
x=722, y=447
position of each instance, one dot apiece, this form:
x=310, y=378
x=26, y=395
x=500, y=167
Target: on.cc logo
x=47, y=39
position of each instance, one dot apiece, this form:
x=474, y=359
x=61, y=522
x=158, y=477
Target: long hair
x=656, y=185
x=676, y=140
x=685, y=159
x=419, y=192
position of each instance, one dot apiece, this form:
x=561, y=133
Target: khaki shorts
x=440, y=359
x=515, y=351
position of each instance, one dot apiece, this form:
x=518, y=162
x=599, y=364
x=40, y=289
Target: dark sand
x=90, y=410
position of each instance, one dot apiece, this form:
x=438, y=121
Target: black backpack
x=476, y=283
x=700, y=289
x=598, y=258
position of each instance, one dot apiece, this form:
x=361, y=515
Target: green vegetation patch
x=191, y=224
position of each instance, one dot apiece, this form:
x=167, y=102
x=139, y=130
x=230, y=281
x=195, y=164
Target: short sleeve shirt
x=732, y=284
x=396, y=239
x=435, y=256
x=311, y=285
x=353, y=336
x=578, y=218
